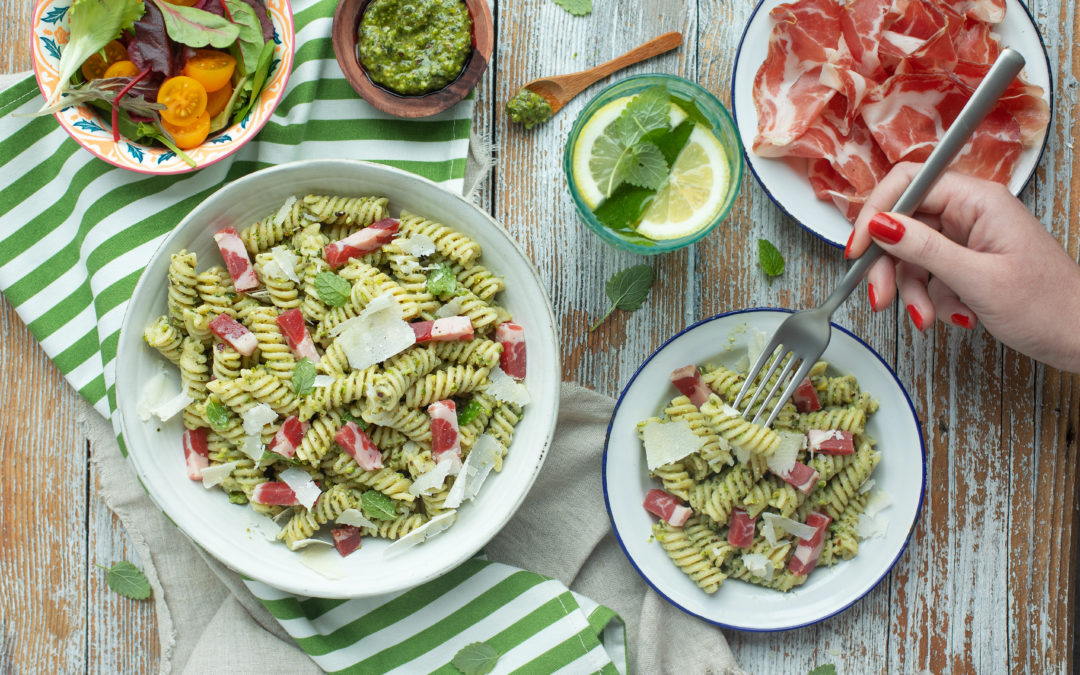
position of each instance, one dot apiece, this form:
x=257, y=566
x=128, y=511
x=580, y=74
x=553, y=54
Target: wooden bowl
x=345, y=35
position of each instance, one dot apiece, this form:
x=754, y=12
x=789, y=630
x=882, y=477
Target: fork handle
x=997, y=80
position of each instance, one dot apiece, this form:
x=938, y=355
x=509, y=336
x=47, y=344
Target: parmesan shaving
x=422, y=533
x=667, y=442
x=505, y=388
x=432, y=480
x=304, y=543
x=870, y=526
x=419, y=245
x=376, y=334
x=452, y=308
x=355, y=518
x=305, y=489
x=474, y=471
x=325, y=561
x=283, y=212
x=285, y=514
x=213, y=475
x=793, y=527
x=160, y=398
x=755, y=345
x=286, y=262
x=782, y=461
x=877, y=501
x=152, y=392
x=257, y=417
x=258, y=523
x=323, y=381
x=252, y=446
x=758, y=565
x=867, y=485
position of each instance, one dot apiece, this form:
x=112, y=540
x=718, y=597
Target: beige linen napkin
x=208, y=622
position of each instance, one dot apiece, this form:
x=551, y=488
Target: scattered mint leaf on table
x=377, y=506
x=332, y=289
x=217, y=414
x=303, y=377
x=827, y=669
x=576, y=7
x=127, y=580
x=770, y=259
x=478, y=658
x=627, y=290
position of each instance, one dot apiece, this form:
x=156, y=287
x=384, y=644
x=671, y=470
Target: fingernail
x=962, y=320
x=847, y=249
x=873, y=296
x=888, y=230
x=916, y=318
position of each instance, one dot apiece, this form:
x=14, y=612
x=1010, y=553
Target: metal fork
x=804, y=335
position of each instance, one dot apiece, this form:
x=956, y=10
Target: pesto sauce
x=529, y=108
x=414, y=46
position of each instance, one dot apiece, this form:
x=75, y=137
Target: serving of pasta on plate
x=342, y=370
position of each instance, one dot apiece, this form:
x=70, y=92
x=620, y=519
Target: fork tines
x=775, y=355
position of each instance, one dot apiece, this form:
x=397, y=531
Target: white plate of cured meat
x=724, y=340
x=822, y=121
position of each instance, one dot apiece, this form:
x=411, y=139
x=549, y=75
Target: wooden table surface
x=987, y=583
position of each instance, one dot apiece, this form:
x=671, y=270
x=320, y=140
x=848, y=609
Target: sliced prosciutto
x=861, y=24
x=296, y=334
x=236, y=259
x=196, y=452
x=360, y=243
x=288, y=437
x=663, y=505
x=234, y=333
x=346, y=539
x=800, y=476
x=805, y=397
x=830, y=442
x=275, y=493
x=741, y=529
x=443, y=330
x=512, y=338
x=808, y=551
x=690, y=384
x=359, y=446
x=444, y=429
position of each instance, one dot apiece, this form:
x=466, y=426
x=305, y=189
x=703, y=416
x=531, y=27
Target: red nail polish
x=873, y=296
x=847, y=249
x=916, y=318
x=888, y=230
x=962, y=320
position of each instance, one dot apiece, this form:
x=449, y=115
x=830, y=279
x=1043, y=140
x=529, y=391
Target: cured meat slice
x=830, y=186
x=861, y=24
x=1024, y=101
x=196, y=452
x=839, y=73
x=444, y=429
x=235, y=333
x=742, y=529
x=690, y=384
x=296, y=334
x=234, y=253
x=288, y=437
x=663, y=505
x=855, y=156
x=805, y=397
x=512, y=338
x=274, y=492
x=370, y=239
x=831, y=442
x=990, y=11
x=359, y=446
x=346, y=539
x=806, y=555
x=443, y=330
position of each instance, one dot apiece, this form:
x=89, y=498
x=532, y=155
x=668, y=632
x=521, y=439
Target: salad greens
x=160, y=39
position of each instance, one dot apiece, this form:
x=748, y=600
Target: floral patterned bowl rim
x=50, y=31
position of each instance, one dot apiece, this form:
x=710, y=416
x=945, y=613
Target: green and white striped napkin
x=75, y=234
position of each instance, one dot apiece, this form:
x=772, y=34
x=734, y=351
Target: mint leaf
x=217, y=414
x=478, y=658
x=671, y=142
x=349, y=417
x=470, y=412
x=377, y=506
x=827, y=669
x=197, y=27
x=627, y=290
x=303, y=377
x=770, y=259
x=623, y=209
x=332, y=289
x=610, y=153
x=576, y=7
x=649, y=110
x=441, y=281
x=616, y=153
x=127, y=580
x=647, y=167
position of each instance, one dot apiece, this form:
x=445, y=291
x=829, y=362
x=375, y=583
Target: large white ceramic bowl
x=224, y=529
x=740, y=605
x=785, y=181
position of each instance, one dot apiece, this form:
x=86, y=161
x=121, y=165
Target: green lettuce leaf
x=92, y=25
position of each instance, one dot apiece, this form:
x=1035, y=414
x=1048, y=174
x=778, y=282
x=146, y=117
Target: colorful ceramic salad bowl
x=51, y=32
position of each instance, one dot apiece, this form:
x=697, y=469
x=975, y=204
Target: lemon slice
x=583, y=147
x=694, y=191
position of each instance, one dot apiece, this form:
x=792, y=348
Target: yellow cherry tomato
x=217, y=100
x=188, y=136
x=212, y=68
x=122, y=69
x=94, y=67
x=184, y=99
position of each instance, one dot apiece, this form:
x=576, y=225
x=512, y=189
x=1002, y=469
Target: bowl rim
x=611, y=516
x=838, y=244
x=347, y=18
x=251, y=570
x=289, y=46
x=736, y=160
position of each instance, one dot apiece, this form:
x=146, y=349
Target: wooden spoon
x=559, y=90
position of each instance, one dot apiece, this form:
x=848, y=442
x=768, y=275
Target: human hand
x=973, y=252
